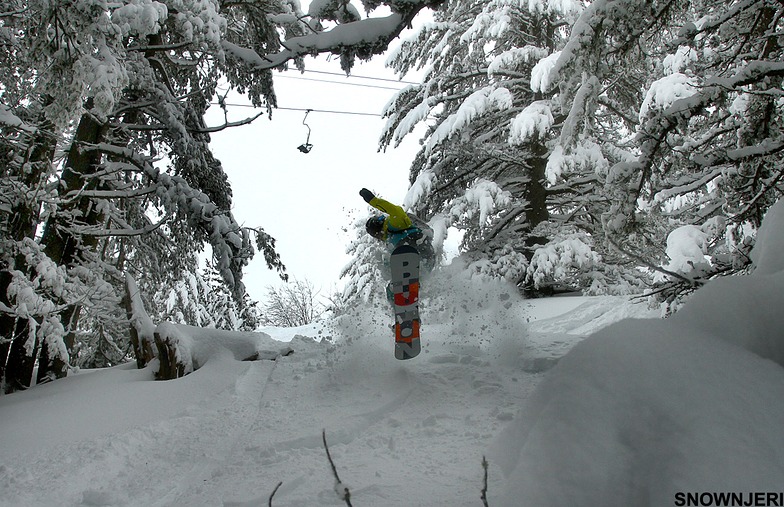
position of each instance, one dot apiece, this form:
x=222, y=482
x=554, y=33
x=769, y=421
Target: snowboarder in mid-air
x=410, y=240
x=396, y=227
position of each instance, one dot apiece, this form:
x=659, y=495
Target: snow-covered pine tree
x=482, y=167
x=202, y=299
x=365, y=273
x=644, y=116
x=696, y=87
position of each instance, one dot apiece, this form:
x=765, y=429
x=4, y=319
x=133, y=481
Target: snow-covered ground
x=642, y=412
x=401, y=433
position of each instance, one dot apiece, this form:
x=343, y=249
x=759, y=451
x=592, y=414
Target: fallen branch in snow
x=341, y=489
x=273, y=493
x=184, y=349
x=484, y=486
x=141, y=327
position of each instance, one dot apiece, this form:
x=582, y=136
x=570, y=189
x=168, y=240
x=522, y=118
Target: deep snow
x=639, y=412
x=401, y=433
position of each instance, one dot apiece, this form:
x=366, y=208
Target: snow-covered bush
x=565, y=259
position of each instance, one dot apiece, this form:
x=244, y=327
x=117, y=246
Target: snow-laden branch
x=109, y=194
x=656, y=129
x=374, y=34
x=693, y=184
x=230, y=245
x=9, y=119
x=124, y=232
x=160, y=47
x=763, y=148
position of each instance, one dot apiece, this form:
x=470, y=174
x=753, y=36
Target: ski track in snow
x=551, y=338
x=232, y=447
x=377, y=410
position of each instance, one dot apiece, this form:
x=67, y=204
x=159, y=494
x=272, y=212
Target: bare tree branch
x=340, y=488
x=291, y=305
x=273, y=493
x=203, y=130
x=484, y=487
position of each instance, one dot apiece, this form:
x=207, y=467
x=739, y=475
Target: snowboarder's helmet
x=375, y=227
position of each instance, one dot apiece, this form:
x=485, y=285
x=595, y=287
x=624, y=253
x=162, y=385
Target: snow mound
x=199, y=345
x=644, y=412
x=766, y=255
x=638, y=413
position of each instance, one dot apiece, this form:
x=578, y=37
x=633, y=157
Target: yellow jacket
x=397, y=220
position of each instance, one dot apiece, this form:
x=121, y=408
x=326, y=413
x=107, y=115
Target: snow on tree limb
x=9, y=119
x=532, y=123
x=480, y=201
x=477, y=104
x=369, y=35
x=230, y=243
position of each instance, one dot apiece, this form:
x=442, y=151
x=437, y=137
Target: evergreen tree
x=367, y=272
x=682, y=100
x=596, y=132
x=482, y=164
x=203, y=300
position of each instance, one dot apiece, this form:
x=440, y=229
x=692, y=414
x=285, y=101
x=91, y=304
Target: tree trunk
x=17, y=357
x=63, y=246
x=536, y=213
x=536, y=193
x=21, y=358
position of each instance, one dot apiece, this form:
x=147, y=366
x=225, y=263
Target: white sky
x=308, y=202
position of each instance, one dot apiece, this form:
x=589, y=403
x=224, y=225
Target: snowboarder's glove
x=367, y=195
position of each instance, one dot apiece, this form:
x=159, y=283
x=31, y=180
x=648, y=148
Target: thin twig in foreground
x=484, y=488
x=273, y=492
x=344, y=493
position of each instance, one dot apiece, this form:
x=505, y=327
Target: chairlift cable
x=340, y=83
x=356, y=113
x=362, y=77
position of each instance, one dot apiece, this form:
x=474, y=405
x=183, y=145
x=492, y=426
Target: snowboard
x=404, y=264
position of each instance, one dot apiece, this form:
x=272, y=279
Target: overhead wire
x=357, y=113
x=363, y=85
x=361, y=77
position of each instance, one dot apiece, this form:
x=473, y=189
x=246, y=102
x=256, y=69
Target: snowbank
x=188, y=348
x=646, y=412
x=98, y=403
